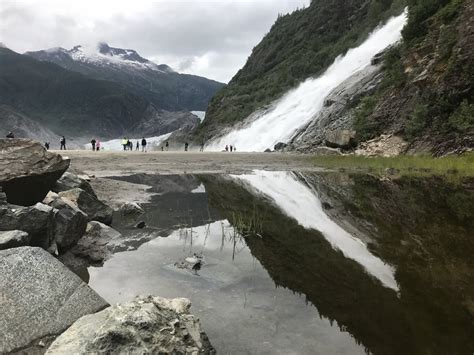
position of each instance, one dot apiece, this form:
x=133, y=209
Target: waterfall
x=297, y=107
x=298, y=201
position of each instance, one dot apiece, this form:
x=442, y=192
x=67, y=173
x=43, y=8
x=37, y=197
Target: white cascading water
x=297, y=107
x=298, y=201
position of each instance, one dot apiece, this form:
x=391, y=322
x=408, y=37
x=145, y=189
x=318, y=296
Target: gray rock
x=96, y=245
x=140, y=225
x=71, y=181
x=39, y=297
x=71, y=222
x=95, y=209
x=13, y=239
x=38, y=221
x=280, y=146
x=28, y=171
x=338, y=111
x=146, y=325
x=340, y=138
x=130, y=209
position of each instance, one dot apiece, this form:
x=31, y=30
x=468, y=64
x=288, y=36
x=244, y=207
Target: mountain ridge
x=158, y=83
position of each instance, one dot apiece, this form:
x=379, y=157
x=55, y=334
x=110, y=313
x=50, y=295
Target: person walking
x=144, y=145
x=97, y=145
x=202, y=147
x=167, y=145
x=231, y=148
x=125, y=143
x=10, y=135
x=93, y=141
x=186, y=145
x=46, y=145
x=62, y=143
x=137, y=147
x=226, y=148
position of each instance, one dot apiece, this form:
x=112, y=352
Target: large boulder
x=13, y=239
x=340, y=138
x=39, y=297
x=71, y=222
x=28, y=171
x=95, y=209
x=146, y=325
x=96, y=245
x=38, y=221
x=71, y=181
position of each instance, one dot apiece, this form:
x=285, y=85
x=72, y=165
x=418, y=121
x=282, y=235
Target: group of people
x=230, y=148
x=128, y=144
x=95, y=145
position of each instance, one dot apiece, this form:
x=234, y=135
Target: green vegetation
x=429, y=101
x=402, y=165
x=298, y=46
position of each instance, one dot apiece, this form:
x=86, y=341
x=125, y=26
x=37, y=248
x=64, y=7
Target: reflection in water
x=297, y=282
x=236, y=300
x=299, y=202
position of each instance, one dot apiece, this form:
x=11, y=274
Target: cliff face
x=299, y=45
x=426, y=95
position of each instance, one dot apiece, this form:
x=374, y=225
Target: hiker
x=46, y=145
x=62, y=143
x=124, y=143
x=137, y=147
x=167, y=145
x=10, y=135
x=202, y=147
x=130, y=145
x=231, y=148
x=226, y=148
x=97, y=145
x=144, y=145
x=93, y=141
x=186, y=146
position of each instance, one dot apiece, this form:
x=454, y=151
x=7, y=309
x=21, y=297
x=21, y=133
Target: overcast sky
x=212, y=38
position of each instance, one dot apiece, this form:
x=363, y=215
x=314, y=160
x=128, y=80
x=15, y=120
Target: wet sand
x=103, y=164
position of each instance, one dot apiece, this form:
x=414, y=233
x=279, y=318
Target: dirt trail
x=103, y=164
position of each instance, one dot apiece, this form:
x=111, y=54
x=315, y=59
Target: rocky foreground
x=51, y=220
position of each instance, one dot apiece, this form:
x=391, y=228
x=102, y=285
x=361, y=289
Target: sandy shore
x=103, y=164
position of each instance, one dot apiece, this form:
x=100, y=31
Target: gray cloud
x=212, y=38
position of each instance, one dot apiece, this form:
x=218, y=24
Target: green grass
x=401, y=165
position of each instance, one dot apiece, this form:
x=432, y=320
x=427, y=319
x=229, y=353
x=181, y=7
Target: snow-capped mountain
x=101, y=55
x=158, y=83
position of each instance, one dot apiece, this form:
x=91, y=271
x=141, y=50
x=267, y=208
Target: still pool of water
x=308, y=263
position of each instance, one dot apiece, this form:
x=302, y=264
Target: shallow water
x=308, y=263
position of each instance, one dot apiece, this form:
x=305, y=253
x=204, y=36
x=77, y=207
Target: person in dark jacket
x=143, y=144
x=62, y=143
x=93, y=144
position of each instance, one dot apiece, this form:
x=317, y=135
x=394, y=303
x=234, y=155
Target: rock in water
x=147, y=325
x=28, y=171
x=71, y=222
x=131, y=208
x=70, y=181
x=39, y=297
x=38, y=221
x=95, y=209
x=13, y=239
